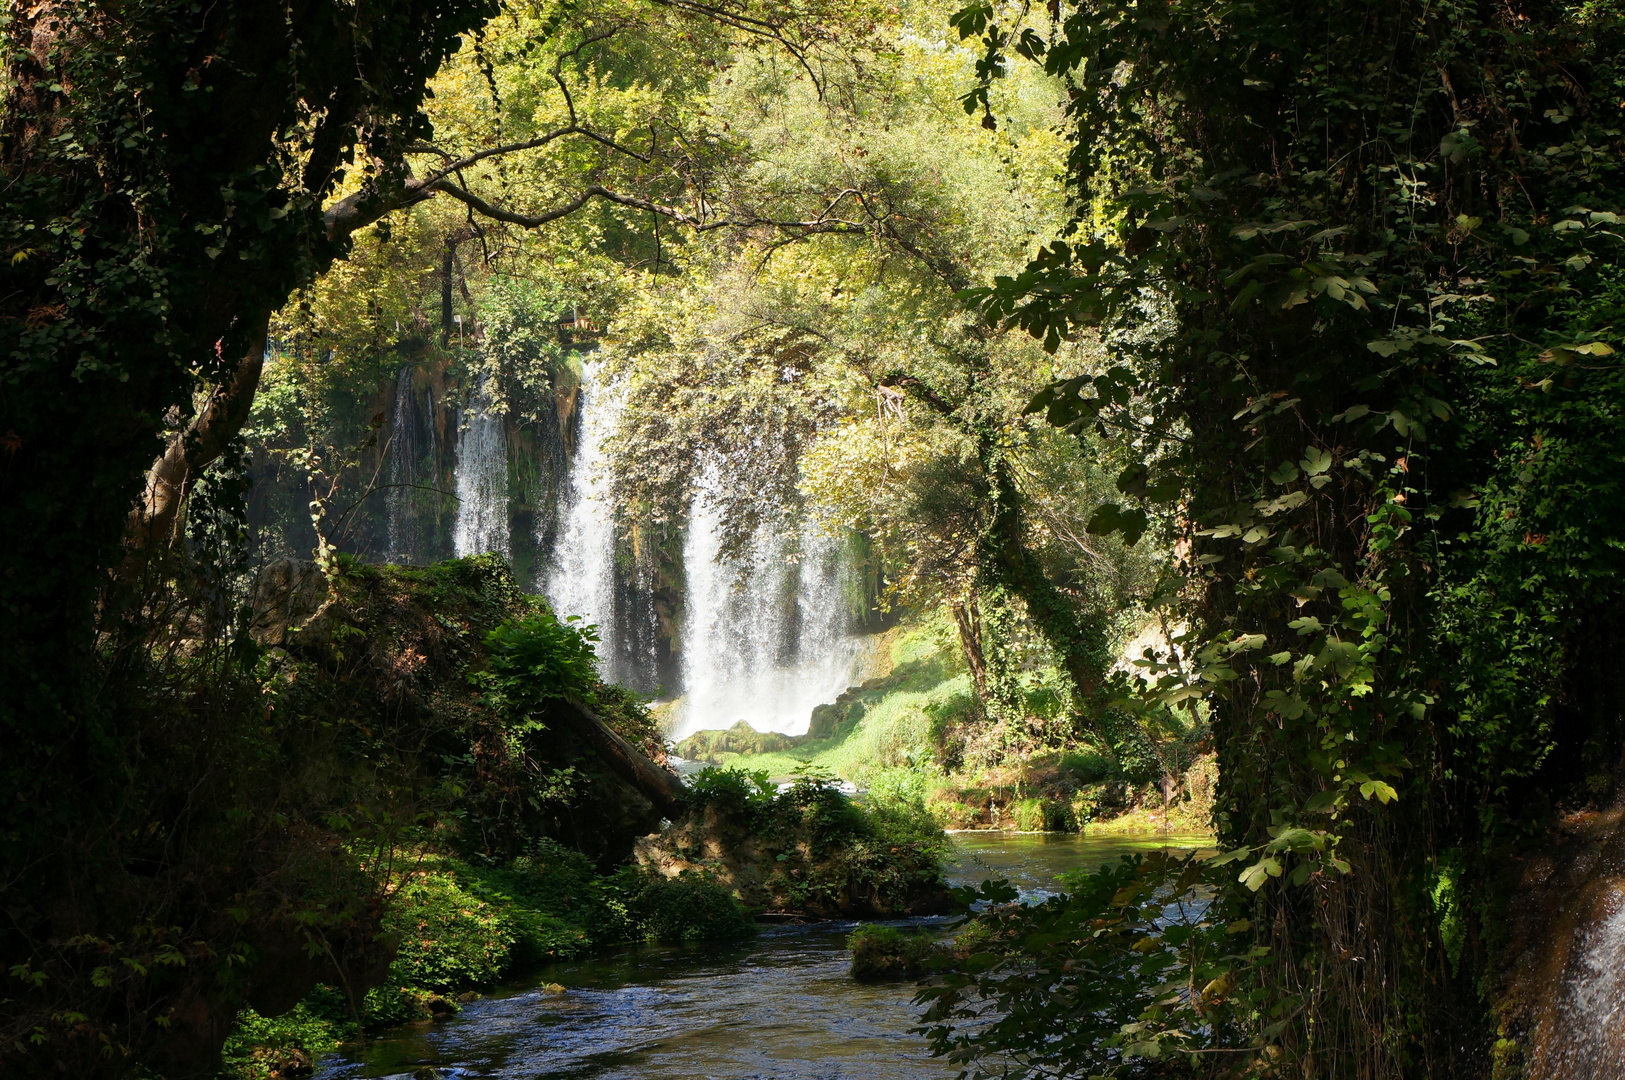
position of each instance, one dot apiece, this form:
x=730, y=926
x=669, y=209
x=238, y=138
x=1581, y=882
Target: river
x=779, y=1006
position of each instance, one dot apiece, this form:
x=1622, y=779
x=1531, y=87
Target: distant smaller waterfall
x=482, y=479
x=584, y=580
x=400, y=502
x=766, y=640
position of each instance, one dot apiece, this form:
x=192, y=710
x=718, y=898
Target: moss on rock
x=810, y=850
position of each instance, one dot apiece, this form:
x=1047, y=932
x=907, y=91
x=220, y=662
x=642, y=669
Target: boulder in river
x=808, y=851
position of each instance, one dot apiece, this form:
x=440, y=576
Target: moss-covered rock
x=810, y=851
x=740, y=739
x=882, y=953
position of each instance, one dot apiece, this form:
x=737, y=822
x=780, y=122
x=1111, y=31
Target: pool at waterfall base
x=779, y=1006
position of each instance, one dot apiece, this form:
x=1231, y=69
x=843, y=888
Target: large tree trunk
x=165, y=168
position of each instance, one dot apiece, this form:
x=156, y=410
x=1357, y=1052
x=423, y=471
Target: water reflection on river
x=779, y=1006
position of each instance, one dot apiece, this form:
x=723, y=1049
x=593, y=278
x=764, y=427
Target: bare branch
x=532, y=221
x=756, y=27
x=527, y=221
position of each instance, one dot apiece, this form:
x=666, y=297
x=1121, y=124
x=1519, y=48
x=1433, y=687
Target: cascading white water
x=582, y=581
x=1582, y=1035
x=765, y=640
x=403, y=459
x=482, y=479
x=1597, y=1001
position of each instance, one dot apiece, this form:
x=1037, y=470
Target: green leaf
x=1229, y=856
x=1321, y=802
x=1315, y=461
x=1384, y=792
x=1112, y=518
x=1257, y=874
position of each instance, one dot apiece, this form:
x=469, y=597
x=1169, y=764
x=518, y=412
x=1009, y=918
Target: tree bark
x=221, y=417
x=968, y=619
x=660, y=786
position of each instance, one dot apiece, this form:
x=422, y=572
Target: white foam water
x=1588, y=1037
x=583, y=579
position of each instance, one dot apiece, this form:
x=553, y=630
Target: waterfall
x=1576, y=987
x=400, y=504
x=766, y=638
x=584, y=580
x=1564, y=950
x=482, y=479
x=1594, y=1046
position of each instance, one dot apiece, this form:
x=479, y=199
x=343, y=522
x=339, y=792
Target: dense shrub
x=447, y=938
x=555, y=900
x=1041, y=815
x=886, y=854
x=689, y=907
x=533, y=659
x=743, y=795
x=1089, y=767
x=810, y=848
x=260, y=1047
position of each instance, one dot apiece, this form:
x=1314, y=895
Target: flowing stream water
x=1569, y=927
x=780, y=1006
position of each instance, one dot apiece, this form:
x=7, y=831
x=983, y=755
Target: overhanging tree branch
x=806, y=226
